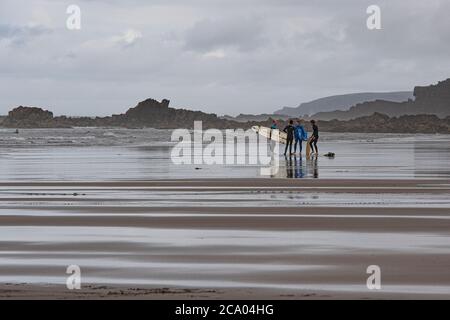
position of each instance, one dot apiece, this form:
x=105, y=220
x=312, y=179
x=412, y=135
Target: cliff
x=343, y=102
x=433, y=99
x=381, y=123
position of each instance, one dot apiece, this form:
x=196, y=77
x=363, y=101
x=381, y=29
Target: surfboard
x=274, y=135
x=308, y=147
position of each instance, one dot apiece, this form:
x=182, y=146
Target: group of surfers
x=296, y=134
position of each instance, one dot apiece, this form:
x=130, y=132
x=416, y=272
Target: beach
x=141, y=228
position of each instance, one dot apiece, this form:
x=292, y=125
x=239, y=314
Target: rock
x=154, y=114
x=28, y=117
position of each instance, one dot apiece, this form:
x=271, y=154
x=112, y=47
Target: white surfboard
x=274, y=135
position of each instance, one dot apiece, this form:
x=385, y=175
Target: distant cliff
x=255, y=117
x=434, y=99
x=343, y=102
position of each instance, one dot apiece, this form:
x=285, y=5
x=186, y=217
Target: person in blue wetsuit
x=300, y=136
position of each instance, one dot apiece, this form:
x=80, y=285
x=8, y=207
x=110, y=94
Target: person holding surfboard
x=274, y=126
x=300, y=136
x=314, y=137
x=290, y=131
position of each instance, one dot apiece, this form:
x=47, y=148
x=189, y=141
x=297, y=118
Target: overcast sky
x=221, y=56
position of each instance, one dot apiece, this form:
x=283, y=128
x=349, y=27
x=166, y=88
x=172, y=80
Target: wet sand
x=226, y=238
x=104, y=292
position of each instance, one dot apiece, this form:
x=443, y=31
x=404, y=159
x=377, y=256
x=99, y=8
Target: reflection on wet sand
x=298, y=167
x=227, y=238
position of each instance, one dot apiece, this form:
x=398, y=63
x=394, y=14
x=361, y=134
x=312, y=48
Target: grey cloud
x=243, y=34
x=19, y=35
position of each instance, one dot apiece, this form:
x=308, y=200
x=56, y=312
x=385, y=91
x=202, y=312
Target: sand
x=216, y=239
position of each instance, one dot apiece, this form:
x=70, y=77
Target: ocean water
x=124, y=154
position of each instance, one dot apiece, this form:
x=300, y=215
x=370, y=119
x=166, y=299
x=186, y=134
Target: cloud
x=216, y=54
x=128, y=38
x=20, y=35
x=210, y=35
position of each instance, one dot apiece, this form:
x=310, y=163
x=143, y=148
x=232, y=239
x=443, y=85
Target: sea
x=144, y=154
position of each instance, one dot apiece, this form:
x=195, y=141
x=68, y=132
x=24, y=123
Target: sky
x=218, y=56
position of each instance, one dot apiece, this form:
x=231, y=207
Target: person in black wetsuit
x=290, y=131
x=315, y=137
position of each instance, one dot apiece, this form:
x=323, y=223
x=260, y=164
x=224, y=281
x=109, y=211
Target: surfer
x=289, y=130
x=314, y=138
x=274, y=126
x=300, y=136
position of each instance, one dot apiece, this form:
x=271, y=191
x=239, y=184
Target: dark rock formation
x=28, y=117
x=151, y=113
x=383, y=123
x=434, y=99
x=154, y=114
x=148, y=113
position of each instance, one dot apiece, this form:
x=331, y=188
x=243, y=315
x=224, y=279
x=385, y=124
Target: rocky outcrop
x=154, y=114
x=383, y=123
x=151, y=113
x=434, y=99
x=148, y=113
x=28, y=117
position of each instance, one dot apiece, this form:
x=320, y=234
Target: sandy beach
x=252, y=239
x=224, y=150
x=111, y=202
